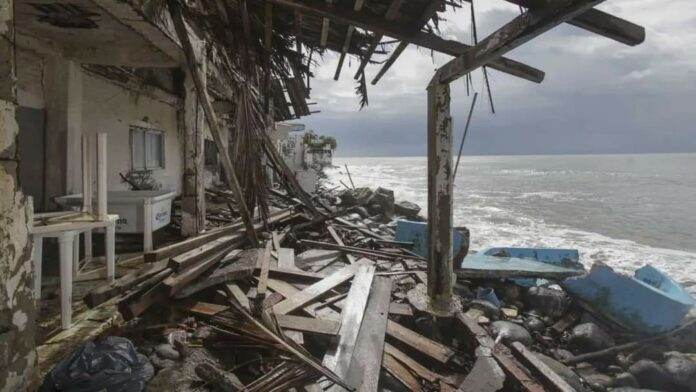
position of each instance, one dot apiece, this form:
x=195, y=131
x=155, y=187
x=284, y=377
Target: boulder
x=407, y=209
x=595, y=379
x=590, y=337
x=549, y=302
x=625, y=380
x=511, y=332
x=682, y=370
x=534, y=324
x=383, y=201
x=651, y=375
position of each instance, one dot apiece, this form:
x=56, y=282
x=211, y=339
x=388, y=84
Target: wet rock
x=383, y=199
x=549, y=302
x=407, y=209
x=511, y=332
x=167, y=351
x=362, y=211
x=564, y=371
x=589, y=337
x=625, y=380
x=489, y=310
x=203, y=333
x=682, y=370
x=651, y=375
x=562, y=354
x=509, y=293
x=534, y=324
x=160, y=363
x=593, y=378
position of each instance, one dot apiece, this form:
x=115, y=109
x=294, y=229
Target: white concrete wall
x=30, y=68
x=112, y=109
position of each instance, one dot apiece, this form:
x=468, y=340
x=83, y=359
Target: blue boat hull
x=649, y=302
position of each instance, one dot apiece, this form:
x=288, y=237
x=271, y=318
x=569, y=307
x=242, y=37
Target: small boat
x=649, y=301
x=567, y=258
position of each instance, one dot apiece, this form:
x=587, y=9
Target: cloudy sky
x=599, y=96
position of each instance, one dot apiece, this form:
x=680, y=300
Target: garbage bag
x=110, y=365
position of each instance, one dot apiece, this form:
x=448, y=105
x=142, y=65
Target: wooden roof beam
x=378, y=25
x=391, y=13
x=346, y=44
x=325, y=29
x=519, y=31
x=428, y=13
x=599, y=22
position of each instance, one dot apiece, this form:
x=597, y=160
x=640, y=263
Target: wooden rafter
x=428, y=13
x=378, y=25
x=520, y=30
x=391, y=13
x=346, y=44
x=599, y=22
x=325, y=29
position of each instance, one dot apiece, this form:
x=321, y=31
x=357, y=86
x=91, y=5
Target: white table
x=68, y=234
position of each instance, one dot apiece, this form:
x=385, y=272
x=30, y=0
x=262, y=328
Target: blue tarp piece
x=648, y=302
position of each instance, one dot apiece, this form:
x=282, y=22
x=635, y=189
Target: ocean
x=623, y=210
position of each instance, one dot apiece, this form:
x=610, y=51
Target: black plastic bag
x=110, y=365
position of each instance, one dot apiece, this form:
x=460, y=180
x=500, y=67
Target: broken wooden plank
x=415, y=366
x=233, y=291
x=431, y=348
x=476, y=335
x=239, y=269
x=263, y=263
x=287, y=290
x=338, y=359
x=366, y=363
x=188, y=259
x=551, y=380
x=308, y=324
x=339, y=241
x=399, y=372
x=316, y=290
x=222, y=380
x=286, y=259
x=104, y=293
x=178, y=281
x=200, y=308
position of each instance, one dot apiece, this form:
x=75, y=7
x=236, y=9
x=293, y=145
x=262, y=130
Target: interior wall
x=113, y=109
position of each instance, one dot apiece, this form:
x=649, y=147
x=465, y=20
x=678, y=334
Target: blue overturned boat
x=648, y=302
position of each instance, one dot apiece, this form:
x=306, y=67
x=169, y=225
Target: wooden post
x=192, y=124
x=213, y=124
x=101, y=177
x=439, y=197
x=86, y=175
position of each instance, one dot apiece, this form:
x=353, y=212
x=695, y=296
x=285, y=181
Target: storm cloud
x=599, y=96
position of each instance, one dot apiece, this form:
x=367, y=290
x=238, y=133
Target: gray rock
x=562, y=354
x=167, y=351
x=384, y=200
x=564, y=371
x=589, y=337
x=511, y=332
x=625, y=380
x=489, y=310
x=407, y=209
x=682, y=370
x=651, y=375
x=593, y=378
x=534, y=324
x=549, y=302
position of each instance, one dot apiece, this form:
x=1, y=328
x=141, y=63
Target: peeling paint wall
x=17, y=310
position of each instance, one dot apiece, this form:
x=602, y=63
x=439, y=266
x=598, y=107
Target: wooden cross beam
x=391, y=13
x=519, y=31
x=346, y=44
x=378, y=25
x=430, y=10
x=598, y=22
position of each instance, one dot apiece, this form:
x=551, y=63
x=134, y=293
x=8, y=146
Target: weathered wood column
x=192, y=120
x=17, y=310
x=439, y=196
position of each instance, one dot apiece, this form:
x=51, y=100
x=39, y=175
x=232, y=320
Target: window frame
x=144, y=131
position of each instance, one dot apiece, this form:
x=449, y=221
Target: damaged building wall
x=114, y=110
x=17, y=310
